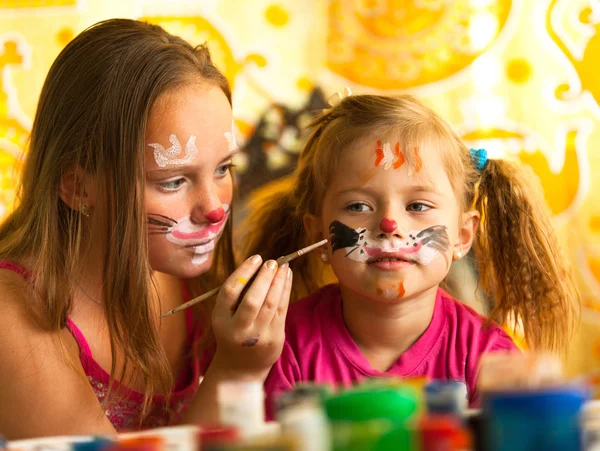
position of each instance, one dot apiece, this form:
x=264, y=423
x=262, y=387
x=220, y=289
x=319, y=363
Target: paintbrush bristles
x=280, y=261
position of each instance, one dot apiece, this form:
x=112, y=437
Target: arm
x=41, y=392
x=249, y=338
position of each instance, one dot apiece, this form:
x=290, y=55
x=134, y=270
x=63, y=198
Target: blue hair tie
x=479, y=158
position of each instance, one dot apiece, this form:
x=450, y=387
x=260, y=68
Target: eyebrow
x=187, y=167
x=362, y=189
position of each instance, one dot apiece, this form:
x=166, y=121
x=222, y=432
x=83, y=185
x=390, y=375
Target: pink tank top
x=124, y=411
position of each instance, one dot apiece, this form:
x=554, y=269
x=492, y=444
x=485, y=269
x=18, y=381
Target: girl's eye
x=418, y=207
x=173, y=185
x=358, y=207
x=222, y=170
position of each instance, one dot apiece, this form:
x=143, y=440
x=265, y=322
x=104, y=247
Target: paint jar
x=211, y=436
x=442, y=433
x=280, y=443
x=302, y=392
x=540, y=419
x=373, y=418
x=396, y=405
x=305, y=419
x=96, y=444
x=446, y=398
x=242, y=404
x=146, y=443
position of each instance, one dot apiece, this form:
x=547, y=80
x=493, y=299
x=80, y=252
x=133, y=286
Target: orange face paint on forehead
x=384, y=156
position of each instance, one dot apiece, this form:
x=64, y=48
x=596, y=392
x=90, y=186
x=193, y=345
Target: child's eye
x=173, y=185
x=222, y=170
x=418, y=207
x=358, y=207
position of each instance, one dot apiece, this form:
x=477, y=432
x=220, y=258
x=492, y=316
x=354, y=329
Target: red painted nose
x=216, y=215
x=388, y=225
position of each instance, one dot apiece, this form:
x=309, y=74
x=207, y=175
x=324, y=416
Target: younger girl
x=125, y=193
x=400, y=198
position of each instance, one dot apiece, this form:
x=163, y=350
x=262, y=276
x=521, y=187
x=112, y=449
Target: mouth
x=203, y=247
x=390, y=257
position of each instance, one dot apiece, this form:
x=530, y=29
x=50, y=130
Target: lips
x=405, y=254
x=202, y=234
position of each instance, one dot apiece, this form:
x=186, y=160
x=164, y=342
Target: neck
x=87, y=285
x=387, y=327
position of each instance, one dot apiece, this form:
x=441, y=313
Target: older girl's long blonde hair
x=92, y=114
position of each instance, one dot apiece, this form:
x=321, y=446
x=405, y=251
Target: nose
x=207, y=207
x=215, y=215
x=388, y=225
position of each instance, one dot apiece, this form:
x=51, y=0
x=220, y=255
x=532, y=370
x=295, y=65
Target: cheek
x=224, y=190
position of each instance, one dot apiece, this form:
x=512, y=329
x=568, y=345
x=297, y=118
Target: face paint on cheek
x=164, y=157
x=363, y=245
x=201, y=238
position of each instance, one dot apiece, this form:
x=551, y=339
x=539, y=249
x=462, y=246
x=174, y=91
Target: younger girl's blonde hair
x=520, y=263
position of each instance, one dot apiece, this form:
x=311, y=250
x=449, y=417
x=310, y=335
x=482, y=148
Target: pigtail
x=522, y=267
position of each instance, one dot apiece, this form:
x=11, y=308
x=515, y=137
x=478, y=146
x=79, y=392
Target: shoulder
x=474, y=328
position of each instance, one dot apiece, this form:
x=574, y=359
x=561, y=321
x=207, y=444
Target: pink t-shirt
x=319, y=348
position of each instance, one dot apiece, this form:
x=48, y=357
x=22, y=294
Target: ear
x=313, y=227
x=466, y=233
x=77, y=188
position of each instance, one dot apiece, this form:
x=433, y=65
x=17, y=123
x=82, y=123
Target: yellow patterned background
x=518, y=77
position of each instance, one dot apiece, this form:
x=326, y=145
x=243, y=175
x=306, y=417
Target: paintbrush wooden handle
x=194, y=301
x=280, y=261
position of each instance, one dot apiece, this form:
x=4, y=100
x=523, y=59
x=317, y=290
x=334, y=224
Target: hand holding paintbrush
x=280, y=261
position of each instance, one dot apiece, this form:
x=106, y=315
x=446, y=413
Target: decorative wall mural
x=518, y=77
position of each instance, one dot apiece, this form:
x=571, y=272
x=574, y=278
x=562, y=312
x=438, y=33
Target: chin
x=185, y=268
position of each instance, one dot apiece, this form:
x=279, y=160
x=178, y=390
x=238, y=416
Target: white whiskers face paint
x=164, y=157
x=230, y=137
x=363, y=245
x=185, y=233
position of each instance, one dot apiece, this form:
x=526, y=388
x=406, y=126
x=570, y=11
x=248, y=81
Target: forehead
x=423, y=165
x=201, y=110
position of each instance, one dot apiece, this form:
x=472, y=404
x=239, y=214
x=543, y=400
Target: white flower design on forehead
x=230, y=137
x=164, y=157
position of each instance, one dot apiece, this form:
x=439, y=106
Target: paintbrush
x=280, y=261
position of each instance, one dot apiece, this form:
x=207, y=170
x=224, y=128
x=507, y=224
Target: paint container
x=280, y=443
x=96, y=444
x=302, y=392
x=211, y=436
x=373, y=418
x=396, y=405
x=3, y=442
x=541, y=419
x=446, y=398
x=442, y=433
x=146, y=443
x=305, y=420
x=242, y=405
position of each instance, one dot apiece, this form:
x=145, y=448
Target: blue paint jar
x=543, y=419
